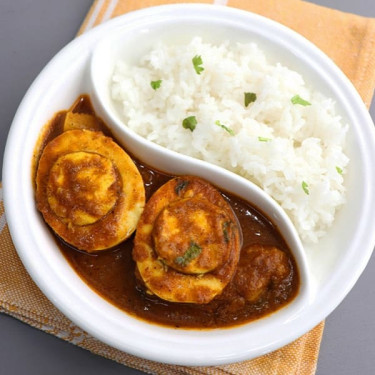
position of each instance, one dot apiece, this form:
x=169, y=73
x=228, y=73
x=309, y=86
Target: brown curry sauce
x=112, y=274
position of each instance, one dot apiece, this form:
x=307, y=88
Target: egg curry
x=172, y=250
x=88, y=190
x=188, y=242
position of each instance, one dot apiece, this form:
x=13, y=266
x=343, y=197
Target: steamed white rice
x=294, y=152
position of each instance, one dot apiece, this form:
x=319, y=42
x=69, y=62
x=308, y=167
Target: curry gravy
x=112, y=275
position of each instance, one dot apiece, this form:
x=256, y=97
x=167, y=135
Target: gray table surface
x=31, y=33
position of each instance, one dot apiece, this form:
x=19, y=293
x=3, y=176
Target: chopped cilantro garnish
x=229, y=130
x=264, y=139
x=339, y=170
x=190, y=123
x=305, y=187
x=181, y=185
x=249, y=97
x=197, y=62
x=162, y=262
x=226, y=226
x=298, y=100
x=191, y=253
x=156, y=84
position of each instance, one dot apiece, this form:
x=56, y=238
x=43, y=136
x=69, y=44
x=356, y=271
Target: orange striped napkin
x=350, y=41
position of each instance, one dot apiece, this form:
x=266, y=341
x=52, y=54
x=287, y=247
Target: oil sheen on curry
x=171, y=250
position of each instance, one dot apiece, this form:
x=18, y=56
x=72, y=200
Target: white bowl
x=334, y=264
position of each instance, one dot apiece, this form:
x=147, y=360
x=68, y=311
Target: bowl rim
x=13, y=205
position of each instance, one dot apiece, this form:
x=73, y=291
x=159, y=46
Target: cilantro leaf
x=305, y=187
x=197, y=62
x=226, y=226
x=156, y=84
x=190, y=123
x=249, y=97
x=181, y=185
x=264, y=139
x=298, y=100
x=229, y=130
x=191, y=253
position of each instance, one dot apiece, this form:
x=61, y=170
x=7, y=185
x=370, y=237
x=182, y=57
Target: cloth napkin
x=350, y=41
